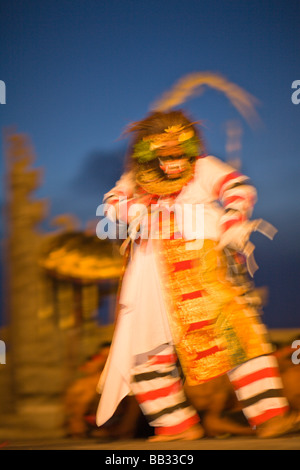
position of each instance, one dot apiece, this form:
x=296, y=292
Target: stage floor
x=107, y=448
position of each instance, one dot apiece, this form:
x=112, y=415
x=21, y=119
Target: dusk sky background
x=77, y=72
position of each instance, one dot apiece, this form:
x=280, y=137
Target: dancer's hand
x=237, y=236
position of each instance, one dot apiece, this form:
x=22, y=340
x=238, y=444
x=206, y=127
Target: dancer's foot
x=219, y=426
x=191, y=434
x=280, y=425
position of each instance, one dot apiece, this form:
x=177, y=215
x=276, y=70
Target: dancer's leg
x=258, y=386
x=157, y=386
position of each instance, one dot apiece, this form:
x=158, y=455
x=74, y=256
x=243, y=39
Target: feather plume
x=194, y=83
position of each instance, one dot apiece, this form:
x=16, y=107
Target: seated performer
x=180, y=316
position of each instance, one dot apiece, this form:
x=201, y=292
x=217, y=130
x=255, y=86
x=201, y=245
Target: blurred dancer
x=181, y=315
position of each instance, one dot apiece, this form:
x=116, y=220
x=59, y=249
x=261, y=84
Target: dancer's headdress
x=166, y=132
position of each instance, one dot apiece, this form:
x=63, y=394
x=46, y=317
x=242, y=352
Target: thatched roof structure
x=81, y=257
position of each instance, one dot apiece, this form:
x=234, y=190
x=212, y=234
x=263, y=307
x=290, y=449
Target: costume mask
x=173, y=167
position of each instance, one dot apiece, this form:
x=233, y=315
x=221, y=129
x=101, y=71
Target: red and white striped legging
x=158, y=387
x=259, y=389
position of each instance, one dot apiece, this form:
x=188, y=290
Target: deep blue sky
x=77, y=71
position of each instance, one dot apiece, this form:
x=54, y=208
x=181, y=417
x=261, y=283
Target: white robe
x=141, y=327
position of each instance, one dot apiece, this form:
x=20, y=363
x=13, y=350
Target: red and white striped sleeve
x=119, y=198
x=234, y=191
x=123, y=196
x=238, y=196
